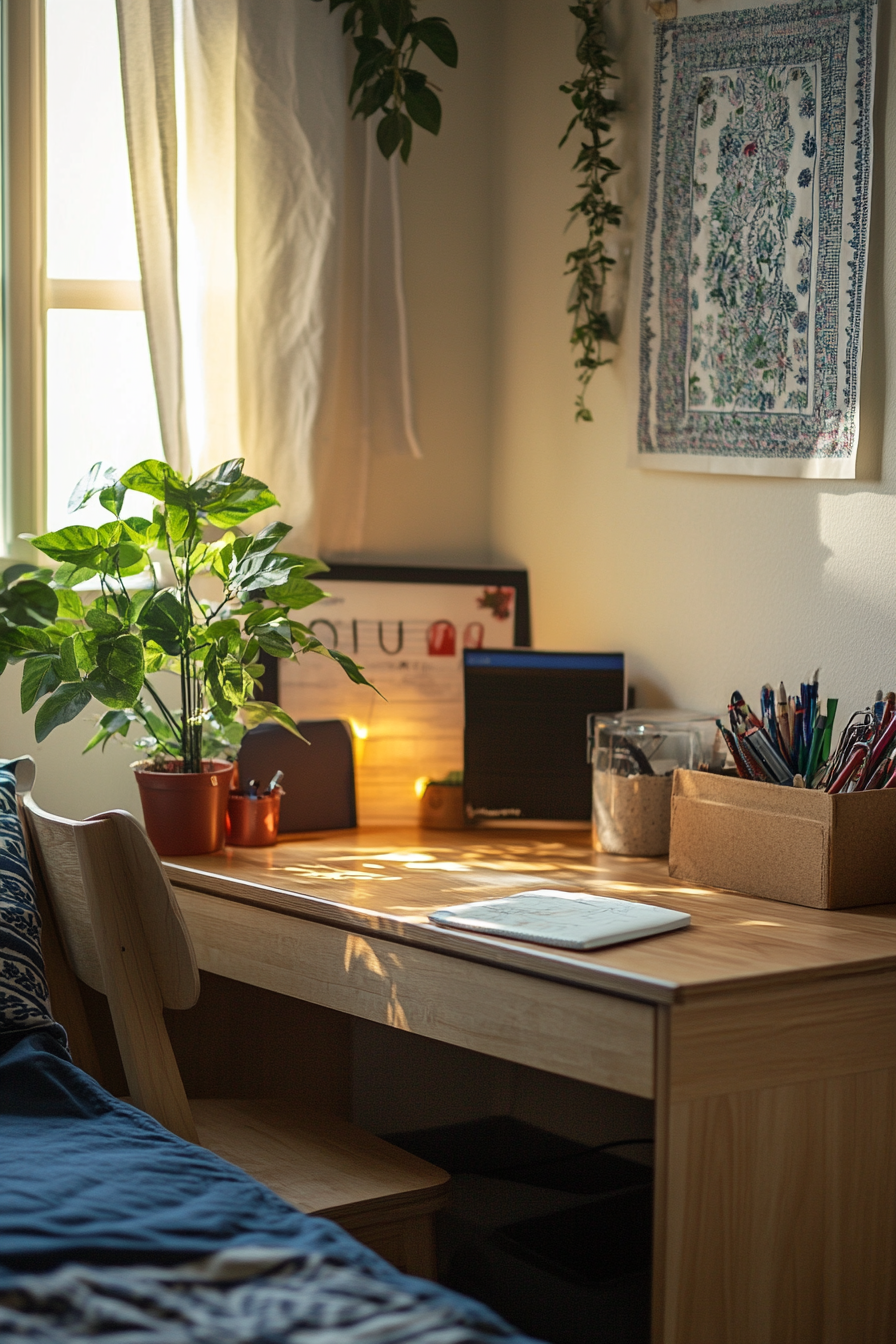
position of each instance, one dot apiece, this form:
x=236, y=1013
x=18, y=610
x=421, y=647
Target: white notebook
x=562, y=918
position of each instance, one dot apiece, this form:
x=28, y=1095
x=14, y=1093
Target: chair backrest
x=124, y=936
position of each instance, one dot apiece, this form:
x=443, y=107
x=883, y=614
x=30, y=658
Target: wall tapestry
x=757, y=230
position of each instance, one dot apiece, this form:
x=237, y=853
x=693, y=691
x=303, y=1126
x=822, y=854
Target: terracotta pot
x=185, y=813
x=253, y=821
x=442, y=807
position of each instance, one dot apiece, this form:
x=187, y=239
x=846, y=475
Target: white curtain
x=270, y=248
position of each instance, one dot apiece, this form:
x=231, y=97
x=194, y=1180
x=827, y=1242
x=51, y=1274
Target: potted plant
x=78, y=647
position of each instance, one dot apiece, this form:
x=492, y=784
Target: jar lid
x=654, y=720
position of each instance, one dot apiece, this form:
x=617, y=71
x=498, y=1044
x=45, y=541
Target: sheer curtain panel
x=270, y=248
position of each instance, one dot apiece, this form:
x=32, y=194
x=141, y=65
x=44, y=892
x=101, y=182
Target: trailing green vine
x=383, y=79
x=590, y=264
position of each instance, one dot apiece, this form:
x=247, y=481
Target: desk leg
x=776, y=1204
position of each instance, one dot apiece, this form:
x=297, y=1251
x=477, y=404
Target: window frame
x=24, y=251
x=28, y=293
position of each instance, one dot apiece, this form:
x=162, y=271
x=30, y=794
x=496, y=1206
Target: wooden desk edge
x=527, y=959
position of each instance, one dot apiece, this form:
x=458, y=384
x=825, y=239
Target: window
x=86, y=393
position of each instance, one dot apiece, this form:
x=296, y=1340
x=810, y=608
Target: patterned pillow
x=24, y=997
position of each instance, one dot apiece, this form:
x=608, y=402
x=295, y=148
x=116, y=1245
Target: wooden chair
x=124, y=935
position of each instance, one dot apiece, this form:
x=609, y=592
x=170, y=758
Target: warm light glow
x=420, y=785
x=359, y=730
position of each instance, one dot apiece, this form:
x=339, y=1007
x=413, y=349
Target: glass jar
x=634, y=756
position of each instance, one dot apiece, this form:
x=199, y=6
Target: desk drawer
x=576, y=1033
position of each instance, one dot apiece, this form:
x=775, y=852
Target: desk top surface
x=386, y=881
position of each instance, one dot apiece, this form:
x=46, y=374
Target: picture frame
x=407, y=626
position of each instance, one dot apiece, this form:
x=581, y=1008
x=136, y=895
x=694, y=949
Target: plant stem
x=166, y=712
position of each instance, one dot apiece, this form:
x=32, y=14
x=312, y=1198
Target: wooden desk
x=764, y=1033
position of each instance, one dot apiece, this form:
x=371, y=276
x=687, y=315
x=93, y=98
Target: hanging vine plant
x=590, y=264
x=383, y=79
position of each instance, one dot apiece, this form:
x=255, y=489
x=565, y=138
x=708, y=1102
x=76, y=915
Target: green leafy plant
x=589, y=264
x=383, y=79
x=108, y=648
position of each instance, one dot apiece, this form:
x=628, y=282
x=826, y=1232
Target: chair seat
x=322, y=1165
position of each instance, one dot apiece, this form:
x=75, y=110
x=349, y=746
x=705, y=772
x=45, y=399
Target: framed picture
x=407, y=626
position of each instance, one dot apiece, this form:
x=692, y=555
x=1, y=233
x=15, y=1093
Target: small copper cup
x=253, y=821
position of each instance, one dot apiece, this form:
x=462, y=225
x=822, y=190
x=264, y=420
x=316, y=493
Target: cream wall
x=706, y=583
x=438, y=508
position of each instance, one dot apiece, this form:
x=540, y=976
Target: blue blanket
x=88, y=1179
x=112, y=1227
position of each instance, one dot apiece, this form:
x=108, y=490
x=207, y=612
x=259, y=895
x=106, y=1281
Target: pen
x=274, y=782
x=857, y=755
x=815, y=749
x=828, y=730
x=759, y=744
x=783, y=720
x=884, y=739
x=889, y=706
x=769, y=716
x=733, y=746
x=755, y=764
x=798, y=744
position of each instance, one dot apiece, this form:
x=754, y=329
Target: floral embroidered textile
x=756, y=243
x=24, y=997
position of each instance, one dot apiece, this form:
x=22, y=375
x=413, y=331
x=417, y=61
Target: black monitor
x=525, y=731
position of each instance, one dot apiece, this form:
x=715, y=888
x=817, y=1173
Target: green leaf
x=259, y=571
x=64, y=704
x=118, y=677
x=70, y=605
x=113, y=721
x=141, y=530
x=395, y=15
x=311, y=644
x=162, y=620
x=75, y=545
x=39, y=677
x=247, y=498
x=216, y=484
x=17, y=641
x=178, y=521
x=29, y=602
x=136, y=605
x=68, y=576
x=97, y=478
x=68, y=662
x=262, y=711
x=296, y=593
x=85, y=642
x=13, y=573
x=226, y=682
x=227, y=630
x=112, y=497
x=273, y=642
x=425, y=108
x=102, y=621
x=270, y=537
x=389, y=134
x=152, y=477
x=435, y=34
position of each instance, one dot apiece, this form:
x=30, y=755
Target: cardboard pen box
x=831, y=851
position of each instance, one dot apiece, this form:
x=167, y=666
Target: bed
x=112, y=1227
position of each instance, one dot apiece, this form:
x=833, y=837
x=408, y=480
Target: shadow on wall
x=68, y=782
